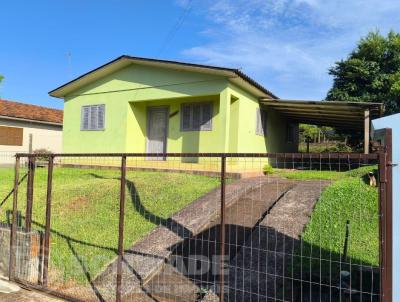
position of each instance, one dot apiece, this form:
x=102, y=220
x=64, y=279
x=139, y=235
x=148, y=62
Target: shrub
x=42, y=154
x=267, y=169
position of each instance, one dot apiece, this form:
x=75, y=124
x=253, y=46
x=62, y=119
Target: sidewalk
x=9, y=292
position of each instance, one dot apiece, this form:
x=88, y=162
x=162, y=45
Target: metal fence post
x=13, y=234
x=222, y=229
x=121, y=229
x=48, y=221
x=386, y=219
x=29, y=193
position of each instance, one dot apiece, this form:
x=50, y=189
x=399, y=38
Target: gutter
x=5, y=117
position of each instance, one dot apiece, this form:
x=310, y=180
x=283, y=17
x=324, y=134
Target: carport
x=355, y=116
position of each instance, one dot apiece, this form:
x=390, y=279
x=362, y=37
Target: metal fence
x=203, y=227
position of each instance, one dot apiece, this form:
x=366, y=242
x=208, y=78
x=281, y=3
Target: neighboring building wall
x=125, y=94
x=43, y=136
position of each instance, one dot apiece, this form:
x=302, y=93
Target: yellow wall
x=120, y=92
x=128, y=93
x=178, y=141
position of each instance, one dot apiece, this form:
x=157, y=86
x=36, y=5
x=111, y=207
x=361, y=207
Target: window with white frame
x=261, y=124
x=196, y=117
x=92, y=117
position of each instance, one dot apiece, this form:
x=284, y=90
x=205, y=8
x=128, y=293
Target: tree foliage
x=371, y=73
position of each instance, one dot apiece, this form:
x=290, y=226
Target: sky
x=287, y=46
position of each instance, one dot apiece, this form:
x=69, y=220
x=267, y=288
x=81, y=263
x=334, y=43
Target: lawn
x=348, y=198
x=85, y=209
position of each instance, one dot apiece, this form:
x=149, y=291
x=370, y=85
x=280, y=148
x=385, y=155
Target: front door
x=157, y=131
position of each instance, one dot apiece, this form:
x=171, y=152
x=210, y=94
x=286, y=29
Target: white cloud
x=288, y=45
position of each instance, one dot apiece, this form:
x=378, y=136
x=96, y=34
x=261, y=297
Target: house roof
x=234, y=75
x=17, y=110
x=345, y=115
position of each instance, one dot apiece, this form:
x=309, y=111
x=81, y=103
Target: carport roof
x=345, y=115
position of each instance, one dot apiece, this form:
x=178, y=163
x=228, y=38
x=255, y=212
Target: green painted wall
x=245, y=121
x=120, y=92
x=128, y=93
x=178, y=141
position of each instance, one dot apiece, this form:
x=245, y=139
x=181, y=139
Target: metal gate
x=226, y=227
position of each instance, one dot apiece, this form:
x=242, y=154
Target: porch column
x=366, y=131
x=224, y=119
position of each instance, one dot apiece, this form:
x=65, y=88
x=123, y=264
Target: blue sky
x=285, y=45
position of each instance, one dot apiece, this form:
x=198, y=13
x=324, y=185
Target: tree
x=371, y=73
x=1, y=78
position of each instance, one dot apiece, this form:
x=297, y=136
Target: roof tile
x=30, y=112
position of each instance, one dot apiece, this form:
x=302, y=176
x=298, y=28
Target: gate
x=203, y=227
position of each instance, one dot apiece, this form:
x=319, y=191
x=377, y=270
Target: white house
x=26, y=128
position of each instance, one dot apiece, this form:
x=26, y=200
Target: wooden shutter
x=206, y=116
x=100, y=117
x=264, y=122
x=93, y=117
x=258, y=122
x=261, y=122
x=11, y=136
x=185, y=116
x=196, y=116
x=85, y=118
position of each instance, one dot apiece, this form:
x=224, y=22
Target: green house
x=141, y=105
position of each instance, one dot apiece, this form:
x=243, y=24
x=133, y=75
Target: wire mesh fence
x=198, y=227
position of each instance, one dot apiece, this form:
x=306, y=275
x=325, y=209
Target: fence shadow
x=265, y=264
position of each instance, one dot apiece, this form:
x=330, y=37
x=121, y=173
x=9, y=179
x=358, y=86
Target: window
x=291, y=130
x=196, y=117
x=11, y=136
x=92, y=117
x=261, y=126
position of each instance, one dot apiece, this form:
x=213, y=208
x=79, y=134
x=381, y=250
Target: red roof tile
x=30, y=112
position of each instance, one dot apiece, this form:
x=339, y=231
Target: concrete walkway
x=264, y=216
x=10, y=292
x=260, y=269
x=148, y=257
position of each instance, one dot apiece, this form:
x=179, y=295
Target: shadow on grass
x=262, y=263
x=146, y=214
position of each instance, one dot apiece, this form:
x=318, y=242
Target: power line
x=143, y=88
x=176, y=27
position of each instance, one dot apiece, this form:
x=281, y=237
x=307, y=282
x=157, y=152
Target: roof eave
x=20, y=119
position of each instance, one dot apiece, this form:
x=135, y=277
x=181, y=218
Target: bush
x=267, y=169
x=43, y=154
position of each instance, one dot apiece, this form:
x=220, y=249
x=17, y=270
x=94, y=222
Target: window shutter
x=100, y=118
x=85, y=118
x=196, y=117
x=206, y=115
x=93, y=117
x=264, y=122
x=186, y=117
x=261, y=122
x=258, y=122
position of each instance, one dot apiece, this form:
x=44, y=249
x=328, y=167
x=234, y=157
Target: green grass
x=85, y=209
x=324, y=174
x=348, y=198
